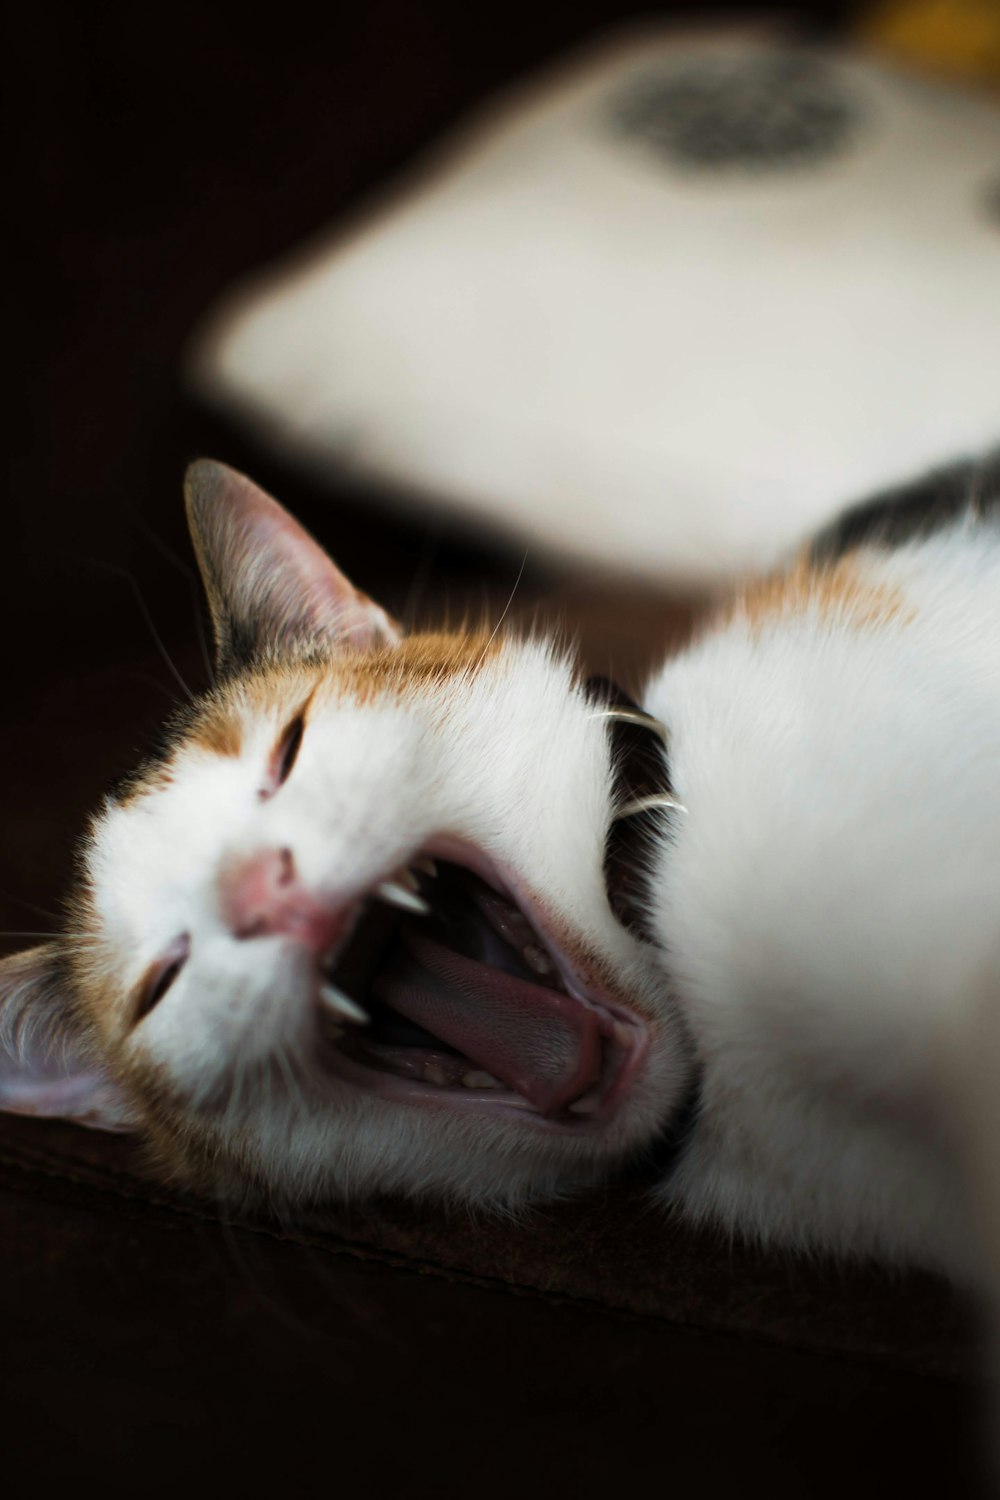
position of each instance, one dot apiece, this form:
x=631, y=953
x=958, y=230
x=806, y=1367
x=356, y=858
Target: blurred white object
x=667, y=309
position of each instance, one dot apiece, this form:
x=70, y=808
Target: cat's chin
x=470, y=996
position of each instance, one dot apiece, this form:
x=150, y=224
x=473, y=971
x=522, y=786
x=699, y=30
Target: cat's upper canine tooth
x=342, y=1005
x=409, y=880
x=426, y=865
x=395, y=894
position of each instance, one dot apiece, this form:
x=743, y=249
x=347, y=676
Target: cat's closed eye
x=284, y=755
x=160, y=976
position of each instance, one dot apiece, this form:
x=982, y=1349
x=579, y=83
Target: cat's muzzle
x=452, y=990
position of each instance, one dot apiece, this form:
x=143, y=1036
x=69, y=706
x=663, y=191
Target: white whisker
x=192, y=582
x=633, y=716
x=506, y=608
x=649, y=804
x=294, y=1091
x=130, y=580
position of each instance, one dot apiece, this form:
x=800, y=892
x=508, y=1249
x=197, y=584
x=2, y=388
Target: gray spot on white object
x=760, y=112
x=587, y=313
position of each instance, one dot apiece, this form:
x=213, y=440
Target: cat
x=435, y=915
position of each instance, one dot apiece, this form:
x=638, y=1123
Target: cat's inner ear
x=45, y=1065
x=271, y=588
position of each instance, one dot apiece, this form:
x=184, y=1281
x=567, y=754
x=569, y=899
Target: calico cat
x=435, y=915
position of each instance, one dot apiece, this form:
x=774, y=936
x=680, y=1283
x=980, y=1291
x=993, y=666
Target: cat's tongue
x=539, y=1041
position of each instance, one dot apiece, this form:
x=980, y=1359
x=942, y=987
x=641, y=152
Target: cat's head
x=348, y=931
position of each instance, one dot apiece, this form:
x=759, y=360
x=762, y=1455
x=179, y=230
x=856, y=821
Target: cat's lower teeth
x=443, y=1076
x=441, y=1069
x=537, y=959
x=480, y=1080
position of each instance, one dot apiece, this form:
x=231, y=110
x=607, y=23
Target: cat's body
x=802, y=1041
x=829, y=903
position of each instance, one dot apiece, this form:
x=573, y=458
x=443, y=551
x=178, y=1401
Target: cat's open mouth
x=466, y=998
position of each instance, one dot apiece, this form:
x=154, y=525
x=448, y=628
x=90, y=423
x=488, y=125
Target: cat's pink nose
x=262, y=896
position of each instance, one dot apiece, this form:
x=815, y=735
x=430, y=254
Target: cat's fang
x=342, y=1005
x=394, y=894
x=426, y=866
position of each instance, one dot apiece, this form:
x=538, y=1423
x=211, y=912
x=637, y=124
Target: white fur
x=828, y=905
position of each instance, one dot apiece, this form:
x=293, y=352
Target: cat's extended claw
x=395, y=894
x=342, y=1005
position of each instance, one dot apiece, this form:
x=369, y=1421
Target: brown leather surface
x=158, y=1353
x=610, y=1249
x=426, y=1354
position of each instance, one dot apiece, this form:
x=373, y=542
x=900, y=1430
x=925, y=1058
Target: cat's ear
x=44, y=1064
x=271, y=588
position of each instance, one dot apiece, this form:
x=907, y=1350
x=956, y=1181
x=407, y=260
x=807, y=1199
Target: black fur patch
x=913, y=511
x=641, y=770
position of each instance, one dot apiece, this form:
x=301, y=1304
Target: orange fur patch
x=839, y=592
x=217, y=729
x=418, y=659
